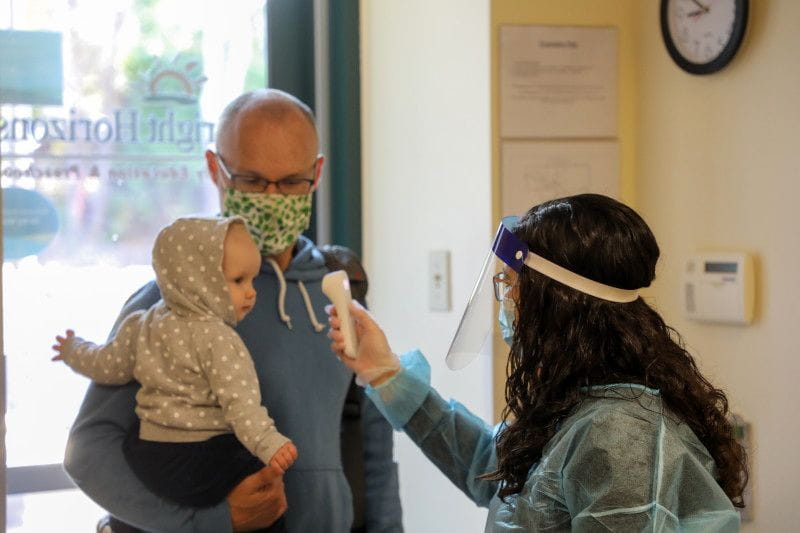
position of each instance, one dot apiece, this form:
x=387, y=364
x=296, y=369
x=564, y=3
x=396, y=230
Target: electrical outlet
x=439, y=280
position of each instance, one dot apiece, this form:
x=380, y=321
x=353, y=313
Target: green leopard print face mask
x=274, y=220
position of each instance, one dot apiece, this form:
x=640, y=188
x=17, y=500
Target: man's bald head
x=270, y=108
x=266, y=135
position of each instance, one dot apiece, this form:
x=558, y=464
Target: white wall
x=718, y=168
x=426, y=186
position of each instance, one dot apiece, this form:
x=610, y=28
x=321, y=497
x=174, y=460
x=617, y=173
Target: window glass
x=106, y=109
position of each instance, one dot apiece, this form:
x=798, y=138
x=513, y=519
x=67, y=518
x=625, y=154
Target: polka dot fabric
x=198, y=379
x=187, y=259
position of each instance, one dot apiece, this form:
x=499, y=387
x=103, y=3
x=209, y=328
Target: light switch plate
x=439, y=280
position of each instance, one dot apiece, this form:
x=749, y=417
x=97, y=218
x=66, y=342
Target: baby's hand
x=284, y=457
x=61, y=344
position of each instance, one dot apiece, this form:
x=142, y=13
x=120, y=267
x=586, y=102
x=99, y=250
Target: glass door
x=106, y=108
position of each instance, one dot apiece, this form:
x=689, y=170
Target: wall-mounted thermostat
x=719, y=287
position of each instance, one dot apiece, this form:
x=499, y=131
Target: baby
x=202, y=426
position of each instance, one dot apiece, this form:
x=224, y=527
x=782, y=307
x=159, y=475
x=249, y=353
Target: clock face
x=703, y=35
x=701, y=29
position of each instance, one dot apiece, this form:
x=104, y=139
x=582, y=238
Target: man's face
x=268, y=148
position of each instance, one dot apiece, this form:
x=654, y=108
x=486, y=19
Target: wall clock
x=702, y=36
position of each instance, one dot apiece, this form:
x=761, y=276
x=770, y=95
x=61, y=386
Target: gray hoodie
x=197, y=376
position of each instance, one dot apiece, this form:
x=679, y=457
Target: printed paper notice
x=536, y=171
x=558, y=82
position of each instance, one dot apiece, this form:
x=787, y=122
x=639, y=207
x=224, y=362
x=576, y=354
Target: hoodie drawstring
x=281, y=294
x=282, y=299
x=311, y=315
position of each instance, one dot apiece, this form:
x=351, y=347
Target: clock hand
x=695, y=14
x=701, y=6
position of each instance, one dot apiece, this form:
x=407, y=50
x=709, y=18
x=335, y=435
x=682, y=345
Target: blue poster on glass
x=30, y=223
x=31, y=68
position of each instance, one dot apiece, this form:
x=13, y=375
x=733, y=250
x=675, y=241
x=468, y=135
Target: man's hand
x=258, y=501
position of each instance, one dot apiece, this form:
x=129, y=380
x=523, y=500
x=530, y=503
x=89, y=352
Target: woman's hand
x=374, y=363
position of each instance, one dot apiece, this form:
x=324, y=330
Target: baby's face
x=241, y=263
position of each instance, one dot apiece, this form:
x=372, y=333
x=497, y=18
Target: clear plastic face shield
x=496, y=283
x=474, y=334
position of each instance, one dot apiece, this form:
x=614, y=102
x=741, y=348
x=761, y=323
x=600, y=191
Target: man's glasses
x=257, y=184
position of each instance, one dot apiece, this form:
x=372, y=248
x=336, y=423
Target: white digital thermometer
x=336, y=287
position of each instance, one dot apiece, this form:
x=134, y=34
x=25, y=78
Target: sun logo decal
x=179, y=80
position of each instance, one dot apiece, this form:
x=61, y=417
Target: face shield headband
x=514, y=253
x=508, y=251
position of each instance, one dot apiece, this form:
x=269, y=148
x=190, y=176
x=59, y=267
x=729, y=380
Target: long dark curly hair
x=565, y=340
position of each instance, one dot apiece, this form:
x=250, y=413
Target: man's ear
x=318, y=170
x=213, y=167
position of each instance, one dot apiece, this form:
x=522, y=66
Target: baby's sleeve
x=232, y=378
x=111, y=363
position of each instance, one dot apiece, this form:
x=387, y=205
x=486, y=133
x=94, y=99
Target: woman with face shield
x=609, y=424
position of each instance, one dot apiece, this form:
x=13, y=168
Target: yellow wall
x=716, y=168
x=709, y=162
x=617, y=13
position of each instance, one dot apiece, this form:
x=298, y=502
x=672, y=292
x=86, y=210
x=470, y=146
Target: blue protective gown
x=620, y=462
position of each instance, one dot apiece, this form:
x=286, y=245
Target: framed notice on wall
x=535, y=172
x=558, y=82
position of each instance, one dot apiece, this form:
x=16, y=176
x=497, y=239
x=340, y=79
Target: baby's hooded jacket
x=197, y=376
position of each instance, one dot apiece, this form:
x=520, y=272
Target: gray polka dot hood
x=198, y=378
x=187, y=259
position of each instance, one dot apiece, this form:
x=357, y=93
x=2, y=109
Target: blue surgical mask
x=506, y=318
